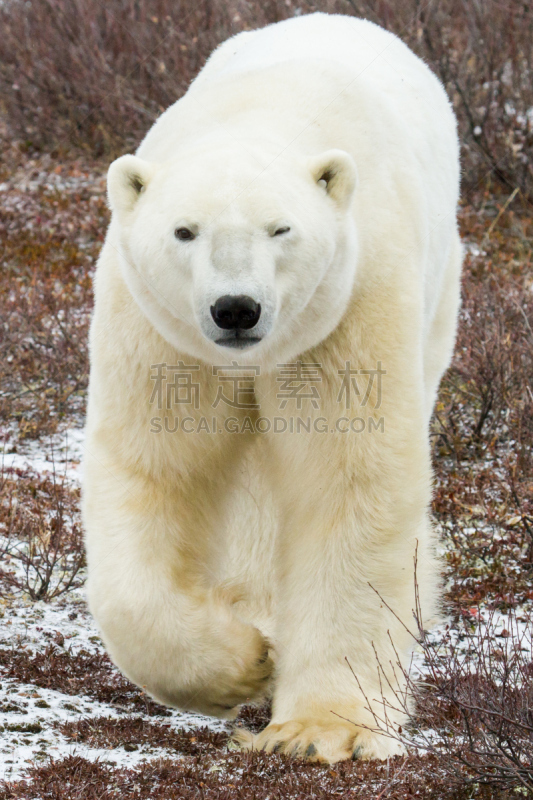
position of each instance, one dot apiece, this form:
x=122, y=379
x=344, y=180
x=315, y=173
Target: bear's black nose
x=232, y=312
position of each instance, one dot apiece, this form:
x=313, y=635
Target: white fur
x=209, y=551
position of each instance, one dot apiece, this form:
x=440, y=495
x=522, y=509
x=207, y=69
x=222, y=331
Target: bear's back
x=369, y=54
x=355, y=43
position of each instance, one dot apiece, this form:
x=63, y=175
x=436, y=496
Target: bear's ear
x=127, y=177
x=336, y=172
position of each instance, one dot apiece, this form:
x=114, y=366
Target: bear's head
x=235, y=254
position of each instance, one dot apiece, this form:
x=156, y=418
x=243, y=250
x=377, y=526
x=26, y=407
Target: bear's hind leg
x=438, y=347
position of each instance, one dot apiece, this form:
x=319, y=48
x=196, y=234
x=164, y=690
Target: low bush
x=97, y=75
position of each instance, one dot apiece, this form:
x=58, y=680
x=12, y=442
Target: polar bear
x=275, y=304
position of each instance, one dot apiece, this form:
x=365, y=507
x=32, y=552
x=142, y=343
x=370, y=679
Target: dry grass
x=134, y=731
x=41, y=550
x=52, y=223
x=97, y=75
x=253, y=776
x=483, y=427
x=482, y=719
x=473, y=703
x=81, y=673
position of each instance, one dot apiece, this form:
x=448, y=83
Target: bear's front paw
x=319, y=740
x=243, y=675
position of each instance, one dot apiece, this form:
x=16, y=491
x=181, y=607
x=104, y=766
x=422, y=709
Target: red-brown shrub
x=98, y=74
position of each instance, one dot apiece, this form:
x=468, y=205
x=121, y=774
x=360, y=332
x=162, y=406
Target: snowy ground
x=61, y=454
x=29, y=714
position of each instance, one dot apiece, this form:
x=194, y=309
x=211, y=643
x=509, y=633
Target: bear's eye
x=279, y=231
x=184, y=234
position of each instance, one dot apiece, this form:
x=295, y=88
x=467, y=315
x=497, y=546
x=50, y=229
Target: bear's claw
x=325, y=742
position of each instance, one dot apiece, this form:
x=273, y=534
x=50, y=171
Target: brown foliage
x=41, y=549
x=483, y=431
x=105, y=72
x=474, y=703
x=82, y=673
x=52, y=220
x=98, y=75
x=134, y=731
x=257, y=776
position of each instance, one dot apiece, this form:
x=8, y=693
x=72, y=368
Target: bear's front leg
x=164, y=622
x=354, y=517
